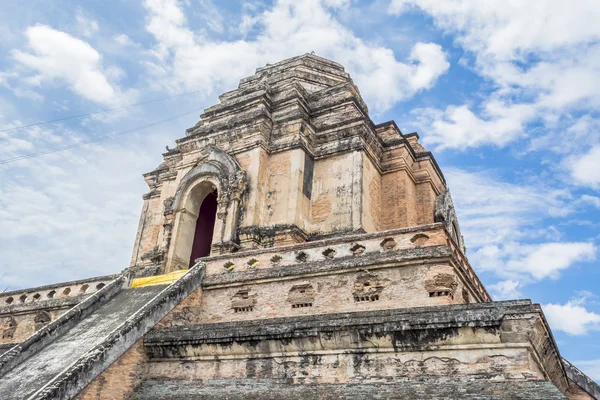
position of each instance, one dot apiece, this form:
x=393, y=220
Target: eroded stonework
x=337, y=270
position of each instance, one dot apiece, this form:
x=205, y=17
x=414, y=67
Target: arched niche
x=220, y=174
x=41, y=319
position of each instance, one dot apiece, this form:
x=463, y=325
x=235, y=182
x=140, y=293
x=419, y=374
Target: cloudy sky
x=505, y=94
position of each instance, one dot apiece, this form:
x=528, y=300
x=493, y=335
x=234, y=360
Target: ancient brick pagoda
x=324, y=261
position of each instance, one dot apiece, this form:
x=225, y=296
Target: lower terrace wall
x=444, y=344
x=378, y=366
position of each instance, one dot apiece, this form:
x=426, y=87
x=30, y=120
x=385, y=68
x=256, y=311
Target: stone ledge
x=484, y=326
x=50, y=304
x=320, y=239
x=58, y=285
x=425, y=254
x=481, y=314
x=265, y=389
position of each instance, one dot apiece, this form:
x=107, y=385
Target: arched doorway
x=218, y=172
x=205, y=226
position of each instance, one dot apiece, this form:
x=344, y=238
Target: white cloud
x=581, y=131
x=211, y=15
x=585, y=168
x=541, y=58
x=59, y=57
x=123, y=40
x=433, y=61
x=248, y=22
x=510, y=30
x=533, y=261
x=505, y=290
x=86, y=26
x=288, y=29
x=460, y=128
x=593, y=200
x=337, y=3
x=572, y=317
x=507, y=232
x=72, y=215
x=492, y=211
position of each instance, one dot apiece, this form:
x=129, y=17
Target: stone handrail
x=54, y=329
x=67, y=384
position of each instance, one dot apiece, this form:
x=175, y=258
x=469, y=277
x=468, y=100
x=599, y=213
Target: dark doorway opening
x=205, y=226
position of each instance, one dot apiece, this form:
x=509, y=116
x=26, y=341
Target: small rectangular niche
x=307, y=179
x=440, y=293
x=372, y=297
x=302, y=305
x=243, y=309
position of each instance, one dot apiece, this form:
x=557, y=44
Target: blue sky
x=505, y=94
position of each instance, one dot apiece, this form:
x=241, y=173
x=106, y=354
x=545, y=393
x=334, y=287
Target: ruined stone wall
x=18, y=327
x=577, y=393
x=354, y=250
x=149, y=231
x=347, y=193
x=364, y=366
x=581, y=387
x=313, y=164
x=186, y=312
x=158, y=227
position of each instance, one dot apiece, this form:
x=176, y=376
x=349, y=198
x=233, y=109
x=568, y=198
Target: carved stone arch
x=9, y=326
x=41, y=319
x=216, y=171
x=9, y=322
x=445, y=213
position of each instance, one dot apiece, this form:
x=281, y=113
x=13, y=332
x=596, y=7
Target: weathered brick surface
x=371, y=197
x=120, y=379
x=443, y=345
x=333, y=193
x=425, y=203
x=186, y=312
x=275, y=390
x=398, y=200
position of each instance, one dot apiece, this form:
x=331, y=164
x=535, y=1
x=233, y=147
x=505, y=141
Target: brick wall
x=120, y=379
